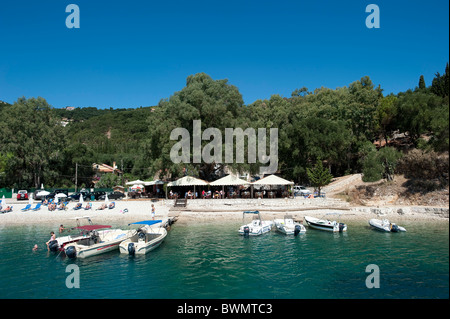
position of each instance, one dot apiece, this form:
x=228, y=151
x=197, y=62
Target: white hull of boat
x=324, y=224
x=256, y=228
x=109, y=240
x=65, y=241
x=153, y=239
x=385, y=225
x=288, y=226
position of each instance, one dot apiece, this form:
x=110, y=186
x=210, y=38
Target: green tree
x=4, y=160
x=380, y=164
x=422, y=83
x=440, y=127
x=415, y=111
x=215, y=102
x=35, y=138
x=108, y=181
x=319, y=176
x=386, y=115
x=440, y=83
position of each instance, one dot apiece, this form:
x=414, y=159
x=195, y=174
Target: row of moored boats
x=92, y=239
x=289, y=226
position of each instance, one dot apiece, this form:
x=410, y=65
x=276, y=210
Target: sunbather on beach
x=102, y=206
x=6, y=210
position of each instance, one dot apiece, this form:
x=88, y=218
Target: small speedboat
x=99, y=239
x=325, y=224
x=257, y=226
x=145, y=238
x=385, y=225
x=60, y=242
x=288, y=226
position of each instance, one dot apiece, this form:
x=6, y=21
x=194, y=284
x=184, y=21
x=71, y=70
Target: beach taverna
x=271, y=180
x=230, y=180
x=188, y=181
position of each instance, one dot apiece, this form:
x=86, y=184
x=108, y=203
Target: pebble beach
x=220, y=210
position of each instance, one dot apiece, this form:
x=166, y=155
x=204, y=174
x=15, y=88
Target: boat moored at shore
x=96, y=241
x=325, y=224
x=257, y=226
x=385, y=225
x=288, y=226
x=145, y=238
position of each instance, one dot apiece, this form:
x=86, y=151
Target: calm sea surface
x=213, y=261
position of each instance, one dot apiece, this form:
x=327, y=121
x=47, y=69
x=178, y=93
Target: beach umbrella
x=106, y=199
x=81, y=199
x=136, y=182
x=229, y=180
x=150, y=183
x=188, y=181
x=272, y=180
x=3, y=202
x=42, y=193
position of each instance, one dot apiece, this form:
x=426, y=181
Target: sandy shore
x=221, y=210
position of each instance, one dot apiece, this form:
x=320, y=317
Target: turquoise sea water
x=213, y=261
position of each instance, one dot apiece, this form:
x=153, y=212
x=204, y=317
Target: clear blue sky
x=133, y=53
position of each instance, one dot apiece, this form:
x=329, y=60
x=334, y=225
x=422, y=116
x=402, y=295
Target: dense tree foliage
x=33, y=136
x=319, y=176
x=336, y=127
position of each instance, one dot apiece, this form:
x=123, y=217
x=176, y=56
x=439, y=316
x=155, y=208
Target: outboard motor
x=71, y=252
x=297, y=230
x=246, y=231
x=341, y=227
x=131, y=249
x=394, y=228
x=53, y=245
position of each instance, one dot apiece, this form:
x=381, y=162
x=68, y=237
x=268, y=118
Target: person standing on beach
x=153, y=212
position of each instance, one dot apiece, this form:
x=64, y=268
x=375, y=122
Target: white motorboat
x=385, y=225
x=145, y=238
x=59, y=243
x=257, y=226
x=96, y=241
x=325, y=224
x=288, y=226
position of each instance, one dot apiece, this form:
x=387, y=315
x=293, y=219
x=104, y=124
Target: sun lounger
x=38, y=207
x=28, y=207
